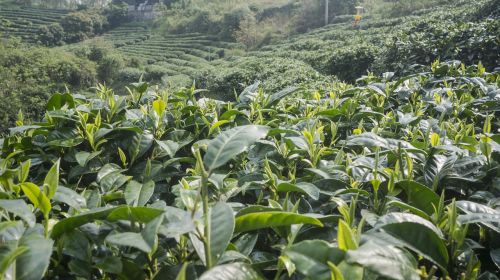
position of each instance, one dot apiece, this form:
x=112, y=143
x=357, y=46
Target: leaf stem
x=206, y=214
x=206, y=210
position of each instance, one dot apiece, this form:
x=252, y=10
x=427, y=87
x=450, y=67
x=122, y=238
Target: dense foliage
x=394, y=178
x=29, y=75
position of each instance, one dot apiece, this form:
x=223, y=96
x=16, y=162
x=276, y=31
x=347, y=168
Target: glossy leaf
x=311, y=258
x=129, y=239
x=19, y=208
x=137, y=194
x=420, y=196
x=230, y=143
x=32, y=264
x=37, y=197
x=388, y=261
x=417, y=234
x=221, y=229
x=233, y=271
x=345, y=237
x=51, y=181
x=303, y=187
x=254, y=221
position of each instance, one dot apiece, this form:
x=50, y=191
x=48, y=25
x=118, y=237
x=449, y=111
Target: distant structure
x=143, y=11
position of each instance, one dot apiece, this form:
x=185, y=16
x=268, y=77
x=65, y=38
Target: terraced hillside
x=24, y=22
x=176, y=54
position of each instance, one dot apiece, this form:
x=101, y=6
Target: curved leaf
x=73, y=222
x=303, y=187
x=129, y=239
x=417, y=234
x=233, y=271
x=19, y=208
x=137, y=194
x=345, y=237
x=37, y=197
x=138, y=214
x=70, y=197
x=420, y=196
x=254, y=221
x=221, y=229
x=32, y=264
x=52, y=180
x=230, y=143
x=388, y=261
x=311, y=258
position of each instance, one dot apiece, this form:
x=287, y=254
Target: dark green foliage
x=79, y=26
x=116, y=14
x=350, y=63
x=51, y=35
x=276, y=74
x=28, y=75
x=424, y=42
x=393, y=178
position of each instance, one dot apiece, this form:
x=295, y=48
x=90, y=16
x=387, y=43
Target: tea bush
x=392, y=178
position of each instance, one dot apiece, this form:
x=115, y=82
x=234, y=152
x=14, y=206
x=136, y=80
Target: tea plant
x=395, y=178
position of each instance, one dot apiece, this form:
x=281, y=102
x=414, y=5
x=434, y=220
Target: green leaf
x=19, y=208
x=246, y=242
x=32, y=264
x=83, y=157
x=345, y=237
x=221, y=229
x=150, y=232
x=233, y=271
x=110, y=264
x=37, y=197
x=110, y=178
x=159, y=107
x=350, y=271
x=129, y=239
x=420, y=196
x=495, y=257
x=336, y=274
x=52, y=180
x=254, y=221
x=73, y=222
x=478, y=218
x=273, y=99
x=385, y=260
x=168, y=147
x=138, y=144
x=24, y=170
x=138, y=214
x=182, y=272
x=230, y=143
x=475, y=212
x=417, y=234
x=11, y=230
x=303, y=187
x=70, y=197
x=58, y=100
x=137, y=194
x=436, y=168
x=9, y=251
x=249, y=93
x=404, y=206
x=311, y=258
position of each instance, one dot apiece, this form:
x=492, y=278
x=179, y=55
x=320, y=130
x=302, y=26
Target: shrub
x=79, y=26
x=156, y=72
x=51, y=35
x=30, y=74
x=130, y=74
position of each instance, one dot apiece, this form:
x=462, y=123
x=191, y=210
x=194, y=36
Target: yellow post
x=358, y=16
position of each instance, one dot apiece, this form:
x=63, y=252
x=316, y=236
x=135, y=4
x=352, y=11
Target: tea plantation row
x=392, y=178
